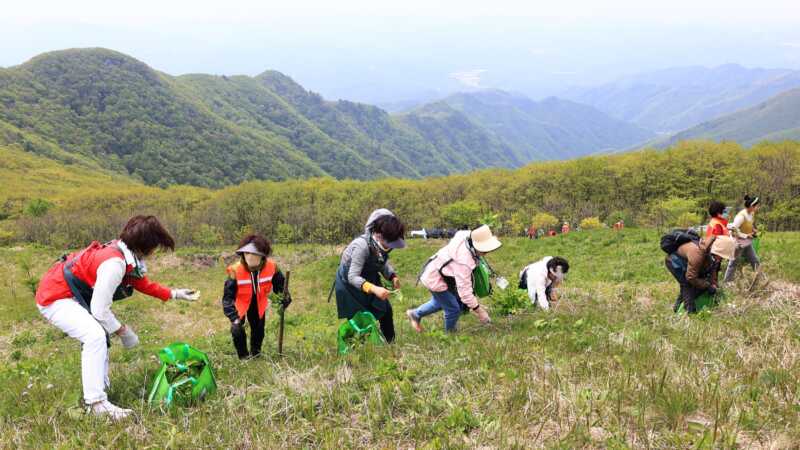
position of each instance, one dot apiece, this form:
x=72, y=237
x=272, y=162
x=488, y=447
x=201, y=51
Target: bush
x=207, y=235
x=37, y=207
x=544, y=221
x=462, y=214
x=285, y=234
x=510, y=301
x=591, y=223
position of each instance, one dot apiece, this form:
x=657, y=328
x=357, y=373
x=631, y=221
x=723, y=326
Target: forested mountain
x=775, y=119
x=674, y=99
x=547, y=129
x=216, y=130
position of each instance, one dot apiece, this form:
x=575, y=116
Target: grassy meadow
x=609, y=367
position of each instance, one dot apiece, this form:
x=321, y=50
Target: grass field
x=609, y=367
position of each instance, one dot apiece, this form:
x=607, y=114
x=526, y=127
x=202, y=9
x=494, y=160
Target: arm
x=151, y=288
x=537, y=289
x=463, y=277
x=388, y=271
x=358, y=256
x=695, y=260
x=229, y=300
x=278, y=282
x=109, y=276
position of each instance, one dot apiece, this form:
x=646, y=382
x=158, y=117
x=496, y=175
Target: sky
x=385, y=52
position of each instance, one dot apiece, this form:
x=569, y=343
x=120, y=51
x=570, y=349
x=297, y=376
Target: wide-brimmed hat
x=724, y=247
x=483, y=240
x=250, y=248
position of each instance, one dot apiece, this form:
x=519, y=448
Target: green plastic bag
x=756, y=243
x=703, y=301
x=481, y=285
x=185, y=376
x=362, y=327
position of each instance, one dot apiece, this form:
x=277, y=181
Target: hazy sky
x=382, y=51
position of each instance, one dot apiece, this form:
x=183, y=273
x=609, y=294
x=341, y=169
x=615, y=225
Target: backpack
x=671, y=241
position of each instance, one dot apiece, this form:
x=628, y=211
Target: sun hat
x=250, y=248
x=724, y=246
x=483, y=240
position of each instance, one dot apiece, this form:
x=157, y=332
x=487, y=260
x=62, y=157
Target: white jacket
x=538, y=282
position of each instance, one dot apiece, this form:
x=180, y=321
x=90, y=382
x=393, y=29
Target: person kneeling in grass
x=77, y=292
x=448, y=276
x=541, y=278
x=246, y=293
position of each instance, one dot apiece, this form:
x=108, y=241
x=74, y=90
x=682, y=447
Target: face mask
x=558, y=273
x=378, y=240
x=253, y=261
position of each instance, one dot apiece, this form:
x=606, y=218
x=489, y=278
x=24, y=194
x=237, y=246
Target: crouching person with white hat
x=541, y=278
x=448, y=275
x=76, y=295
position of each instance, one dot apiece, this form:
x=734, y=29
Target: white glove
x=128, y=337
x=185, y=294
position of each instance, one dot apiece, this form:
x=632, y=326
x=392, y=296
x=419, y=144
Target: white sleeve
x=109, y=277
x=537, y=289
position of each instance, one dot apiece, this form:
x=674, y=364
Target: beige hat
x=483, y=240
x=724, y=246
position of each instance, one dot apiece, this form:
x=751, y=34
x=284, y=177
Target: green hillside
x=775, y=119
x=547, y=129
x=214, y=131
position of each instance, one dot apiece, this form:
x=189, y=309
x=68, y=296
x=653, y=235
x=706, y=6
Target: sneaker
x=106, y=408
x=414, y=321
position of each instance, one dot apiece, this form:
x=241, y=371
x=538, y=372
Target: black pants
x=387, y=324
x=257, y=333
x=687, y=293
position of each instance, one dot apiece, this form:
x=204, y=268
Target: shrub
x=591, y=223
x=462, y=214
x=544, y=221
x=207, y=235
x=509, y=301
x=37, y=207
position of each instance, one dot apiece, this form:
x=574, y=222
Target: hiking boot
x=414, y=321
x=106, y=408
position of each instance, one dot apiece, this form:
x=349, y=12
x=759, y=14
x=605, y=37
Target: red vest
x=54, y=287
x=244, y=287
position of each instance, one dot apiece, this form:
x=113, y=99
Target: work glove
x=286, y=300
x=185, y=294
x=482, y=315
x=712, y=290
x=128, y=337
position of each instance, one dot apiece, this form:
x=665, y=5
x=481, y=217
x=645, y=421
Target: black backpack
x=675, y=238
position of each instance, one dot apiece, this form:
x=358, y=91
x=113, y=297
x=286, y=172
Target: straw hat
x=483, y=240
x=724, y=246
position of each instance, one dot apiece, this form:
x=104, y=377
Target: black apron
x=350, y=299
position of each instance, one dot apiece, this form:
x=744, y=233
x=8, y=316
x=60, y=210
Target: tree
x=462, y=214
x=544, y=221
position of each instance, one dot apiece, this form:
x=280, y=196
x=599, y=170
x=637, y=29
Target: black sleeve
x=229, y=300
x=278, y=282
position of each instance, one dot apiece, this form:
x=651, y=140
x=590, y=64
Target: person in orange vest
x=565, y=228
x=718, y=225
x=76, y=294
x=246, y=293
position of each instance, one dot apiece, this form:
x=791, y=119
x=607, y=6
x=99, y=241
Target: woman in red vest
x=246, y=293
x=76, y=294
x=718, y=225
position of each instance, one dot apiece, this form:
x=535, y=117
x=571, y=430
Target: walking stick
x=282, y=313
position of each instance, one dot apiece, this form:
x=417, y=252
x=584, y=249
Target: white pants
x=71, y=318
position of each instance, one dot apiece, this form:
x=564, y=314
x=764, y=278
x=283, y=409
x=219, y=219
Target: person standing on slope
x=76, y=294
x=364, y=261
x=744, y=231
x=246, y=293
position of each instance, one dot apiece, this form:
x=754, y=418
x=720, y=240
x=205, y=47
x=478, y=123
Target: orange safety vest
x=244, y=286
x=713, y=223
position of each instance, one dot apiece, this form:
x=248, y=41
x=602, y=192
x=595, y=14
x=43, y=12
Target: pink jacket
x=461, y=267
